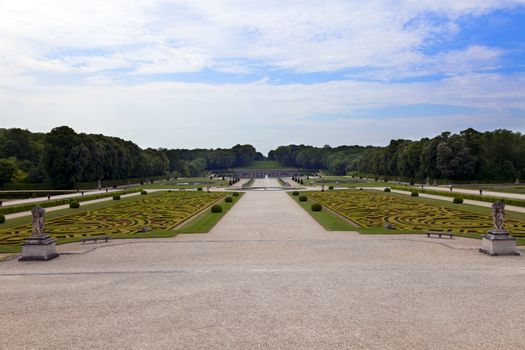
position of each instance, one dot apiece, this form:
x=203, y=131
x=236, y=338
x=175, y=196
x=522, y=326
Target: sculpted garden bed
x=371, y=210
x=158, y=212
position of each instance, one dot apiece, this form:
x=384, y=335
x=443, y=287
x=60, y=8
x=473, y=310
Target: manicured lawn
x=187, y=183
x=265, y=164
x=120, y=219
x=205, y=221
x=509, y=188
x=407, y=214
x=326, y=218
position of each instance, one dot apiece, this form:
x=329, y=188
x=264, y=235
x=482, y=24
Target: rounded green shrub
x=387, y=189
x=2, y=219
x=228, y=199
x=235, y=194
x=414, y=194
x=199, y=188
x=330, y=187
x=116, y=197
x=295, y=193
x=303, y=198
x=216, y=208
x=143, y=193
x=74, y=204
x=316, y=207
x=458, y=200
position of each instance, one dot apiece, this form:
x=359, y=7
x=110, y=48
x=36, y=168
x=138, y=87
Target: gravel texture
x=267, y=276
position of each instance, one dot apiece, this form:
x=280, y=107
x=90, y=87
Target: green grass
x=188, y=183
x=325, y=217
x=266, y=164
x=206, y=220
x=508, y=188
x=341, y=181
x=413, y=215
x=119, y=219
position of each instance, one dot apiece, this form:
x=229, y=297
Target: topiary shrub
x=414, y=194
x=295, y=193
x=387, y=189
x=457, y=200
x=330, y=187
x=216, y=208
x=143, y=193
x=116, y=197
x=228, y=199
x=235, y=194
x=74, y=205
x=2, y=219
x=316, y=207
x=303, y=198
x=199, y=188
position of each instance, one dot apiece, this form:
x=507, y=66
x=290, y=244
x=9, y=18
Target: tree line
x=335, y=160
x=62, y=158
x=469, y=155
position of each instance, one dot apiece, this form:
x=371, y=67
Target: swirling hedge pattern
x=157, y=211
x=372, y=209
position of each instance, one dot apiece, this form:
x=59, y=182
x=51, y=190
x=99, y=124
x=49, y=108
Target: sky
x=188, y=74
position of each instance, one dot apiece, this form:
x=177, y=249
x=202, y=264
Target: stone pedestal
x=39, y=249
x=498, y=243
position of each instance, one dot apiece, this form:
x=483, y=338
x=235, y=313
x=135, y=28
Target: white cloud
x=185, y=36
x=89, y=41
x=196, y=115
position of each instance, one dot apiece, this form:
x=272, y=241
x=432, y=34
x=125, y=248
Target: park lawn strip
x=481, y=198
x=463, y=207
x=265, y=164
x=57, y=202
x=326, y=218
x=162, y=233
x=206, y=220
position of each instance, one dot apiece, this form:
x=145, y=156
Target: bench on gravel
x=94, y=239
x=439, y=234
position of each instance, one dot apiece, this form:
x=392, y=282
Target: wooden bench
x=439, y=234
x=95, y=239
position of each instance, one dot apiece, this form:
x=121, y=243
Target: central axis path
x=264, y=215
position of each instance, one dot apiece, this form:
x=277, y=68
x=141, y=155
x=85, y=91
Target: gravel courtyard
x=266, y=277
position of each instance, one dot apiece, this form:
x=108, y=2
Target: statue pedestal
x=38, y=249
x=498, y=243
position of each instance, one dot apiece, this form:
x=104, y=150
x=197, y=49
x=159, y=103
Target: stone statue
x=38, y=221
x=498, y=212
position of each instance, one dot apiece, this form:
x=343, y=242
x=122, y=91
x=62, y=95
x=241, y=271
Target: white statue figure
x=38, y=221
x=498, y=212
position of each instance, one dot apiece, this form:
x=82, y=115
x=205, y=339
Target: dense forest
x=335, y=160
x=472, y=155
x=63, y=158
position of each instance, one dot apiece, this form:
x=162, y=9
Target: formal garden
x=148, y=215
x=369, y=210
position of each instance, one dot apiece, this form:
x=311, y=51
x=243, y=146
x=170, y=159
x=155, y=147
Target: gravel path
x=266, y=277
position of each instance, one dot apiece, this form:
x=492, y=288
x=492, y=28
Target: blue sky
x=217, y=73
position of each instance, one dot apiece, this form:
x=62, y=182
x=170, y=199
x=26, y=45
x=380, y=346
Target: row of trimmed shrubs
x=217, y=208
x=303, y=198
x=57, y=202
x=456, y=200
x=483, y=198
